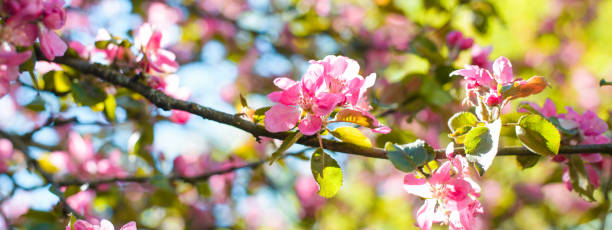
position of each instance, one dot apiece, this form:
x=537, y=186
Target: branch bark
x=166, y=102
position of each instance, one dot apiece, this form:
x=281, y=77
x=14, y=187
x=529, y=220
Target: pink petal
x=129, y=226
x=426, y=214
x=106, y=225
x=275, y=96
x=281, y=118
x=83, y=225
x=80, y=148
x=592, y=174
x=52, y=45
x=502, y=69
x=549, y=109
x=310, y=125
x=566, y=179
x=284, y=83
x=417, y=186
x=442, y=174
x=325, y=103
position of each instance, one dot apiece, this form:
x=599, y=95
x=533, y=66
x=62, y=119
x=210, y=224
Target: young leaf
x=460, y=120
x=579, y=178
x=460, y=124
x=326, y=172
x=288, y=142
x=38, y=104
x=87, y=94
x=526, y=162
x=110, y=105
x=481, y=145
x=409, y=157
x=356, y=117
x=538, y=135
x=260, y=114
x=352, y=135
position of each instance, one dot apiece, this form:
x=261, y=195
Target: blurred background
x=228, y=47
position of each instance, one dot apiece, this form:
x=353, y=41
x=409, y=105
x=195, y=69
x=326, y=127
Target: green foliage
x=409, y=157
x=288, y=142
x=579, y=178
x=481, y=145
x=326, y=172
x=538, y=135
x=351, y=135
x=525, y=162
x=460, y=124
x=87, y=94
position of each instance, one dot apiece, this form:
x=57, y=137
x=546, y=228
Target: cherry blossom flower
x=155, y=58
x=456, y=39
x=450, y=196
x=103, y=225
x=9, y=65
x=54, y=15
x=328, y=83
x=486, y=83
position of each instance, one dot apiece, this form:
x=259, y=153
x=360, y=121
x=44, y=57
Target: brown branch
x=166, y=102
x=193, y=179
x=21, y=146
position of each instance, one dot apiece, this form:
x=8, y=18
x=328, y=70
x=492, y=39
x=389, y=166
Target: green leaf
x=409, y=157
x=326, y=172
x=526, y=161
x=288, y=142
x=460, y=124
x=538, y=135
x=110, y=106
x=38, y=104
x=260, y=114
x=352, y=135
x=102, y=44
x=356, y=117
x=203, y=189
x=71, y=190
x=481, y=145
x=579, y=178
x=510, y=118
x=87, y=94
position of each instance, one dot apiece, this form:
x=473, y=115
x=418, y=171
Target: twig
x=166, y=102
x=48, y=177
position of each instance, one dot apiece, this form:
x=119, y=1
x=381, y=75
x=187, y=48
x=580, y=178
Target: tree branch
x=166, y=102
x=18, y=144
x=192, y=179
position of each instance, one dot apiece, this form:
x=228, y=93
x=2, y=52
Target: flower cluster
x=327, y=84
x=26, y=21
x=82, y=161
x=493, y=88
x=450, y=194
x=589, y=129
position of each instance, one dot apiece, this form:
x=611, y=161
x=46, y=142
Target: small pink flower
x=51, y=44
x=80, y=149
x=327, y=84
x=155, y=58
x=450, y=196
x=104, y=225
x=18, y=32
x=81, y=202
x=453, y=37
x=480, y=56
x=54, y=16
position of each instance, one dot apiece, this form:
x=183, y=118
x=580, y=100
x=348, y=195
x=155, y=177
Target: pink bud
x=465, y=43
x=453, y=37
x=55, y=19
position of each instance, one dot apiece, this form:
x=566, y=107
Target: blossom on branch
x=450, y=195
x=327, y=84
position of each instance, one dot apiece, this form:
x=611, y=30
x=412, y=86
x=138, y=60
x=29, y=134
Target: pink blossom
x=450, y=196
x=328, y=83
x=188, y=165
x=480, y=56
x=104, y=225
x=456, y=39
x=51, y=44
x=79, y=148
x=81, y=202
x=6, y=152
x=155, y=58
x=18, y=32
x=54, y=16
x=9, y=65
x=23, y=9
